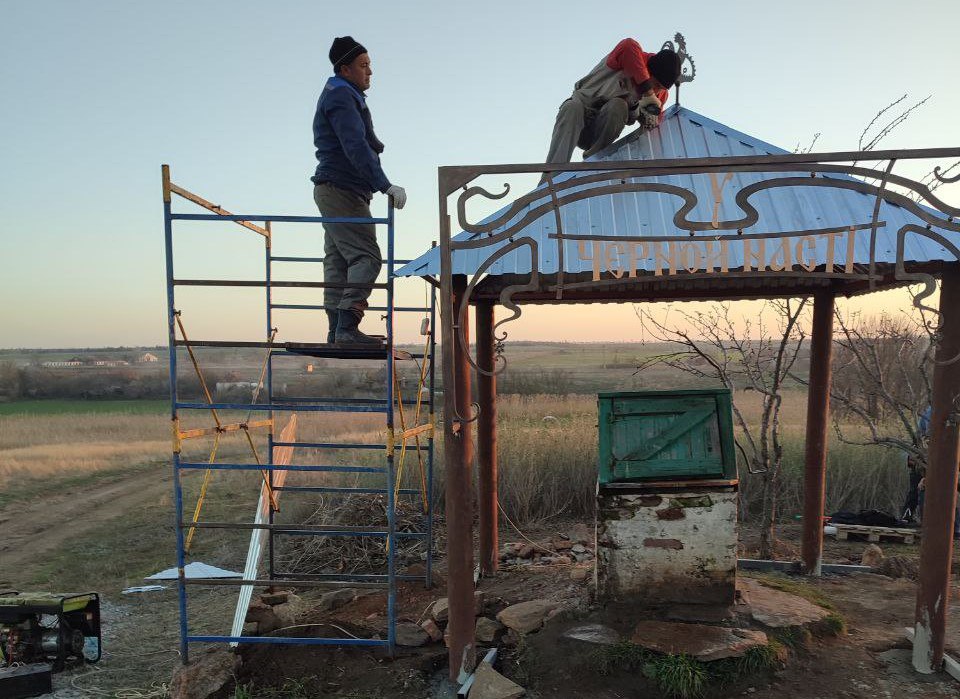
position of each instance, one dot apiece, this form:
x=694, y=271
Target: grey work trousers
x=590, y=129
x=350, y=250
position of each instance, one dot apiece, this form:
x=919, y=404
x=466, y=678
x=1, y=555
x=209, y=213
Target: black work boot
x=348, y=334
x=333, y=317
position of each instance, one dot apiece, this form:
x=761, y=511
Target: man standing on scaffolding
x=348, y=173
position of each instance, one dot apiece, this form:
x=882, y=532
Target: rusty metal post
x=818, y=420
x=458, y=466
x=936, y=543
x=487, y=440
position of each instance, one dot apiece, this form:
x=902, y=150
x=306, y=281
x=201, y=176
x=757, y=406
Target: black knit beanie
x=665, y=67
x=343, y=51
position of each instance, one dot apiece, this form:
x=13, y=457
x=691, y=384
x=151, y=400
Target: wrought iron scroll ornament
x=503, y=231
x=681, y=50
x=943, y=178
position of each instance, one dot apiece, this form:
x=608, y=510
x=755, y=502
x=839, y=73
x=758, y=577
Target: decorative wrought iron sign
x=714, y=248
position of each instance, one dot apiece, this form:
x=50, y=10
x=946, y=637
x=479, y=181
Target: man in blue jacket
x=348, y=173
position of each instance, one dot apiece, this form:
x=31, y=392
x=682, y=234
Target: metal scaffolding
x=417, y=437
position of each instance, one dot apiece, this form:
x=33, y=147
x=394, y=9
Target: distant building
x=147, y=357
x=61, y=365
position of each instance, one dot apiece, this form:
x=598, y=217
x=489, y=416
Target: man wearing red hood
x=627, y=86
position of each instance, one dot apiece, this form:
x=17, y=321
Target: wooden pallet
x=907, y=536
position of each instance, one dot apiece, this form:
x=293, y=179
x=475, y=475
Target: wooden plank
x=686, y=484
x=680, y=426
x=876, y=534
x=215, y=208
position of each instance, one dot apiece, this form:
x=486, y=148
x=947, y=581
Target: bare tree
x=882, y=380
x=755, y=356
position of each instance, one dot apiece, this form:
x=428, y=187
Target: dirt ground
x=34, y=528
x=870, y=661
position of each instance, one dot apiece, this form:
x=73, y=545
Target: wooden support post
x=936, y=542
x=487, y=440
x=165, y=179
x=818, y=420
x=458, y=462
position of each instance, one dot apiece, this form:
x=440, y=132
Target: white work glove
x=650, y=108
x=399, y=195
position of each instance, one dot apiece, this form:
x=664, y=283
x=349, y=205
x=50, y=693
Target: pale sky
x=96, y=95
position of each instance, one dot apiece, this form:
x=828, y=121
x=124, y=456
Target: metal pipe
x=457, y=463
x=172, y=357
x=431, y=441
x=936, y=541
x=818, y=420
x=269, y=407
x=487, y=440
x=280, y=284
x=277, y=219
x=268, y=276
x=391, y=474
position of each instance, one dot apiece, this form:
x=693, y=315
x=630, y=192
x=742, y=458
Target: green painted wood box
x=666, y=435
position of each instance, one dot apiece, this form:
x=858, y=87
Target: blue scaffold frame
x=274, y=404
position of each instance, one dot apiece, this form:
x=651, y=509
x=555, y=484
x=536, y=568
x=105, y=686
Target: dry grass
x=45, y=460
x=547, y=454
x=45, y=446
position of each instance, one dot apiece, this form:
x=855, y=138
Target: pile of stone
x=505, y=626
x=562, y=550
x=272, y=611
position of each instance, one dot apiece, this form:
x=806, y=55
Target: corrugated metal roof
x=686, y=134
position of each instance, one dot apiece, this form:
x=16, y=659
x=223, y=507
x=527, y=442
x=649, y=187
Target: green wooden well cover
x=666, y=435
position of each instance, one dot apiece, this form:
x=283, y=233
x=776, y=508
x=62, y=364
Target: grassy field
x=548, y=466
x=85, y=407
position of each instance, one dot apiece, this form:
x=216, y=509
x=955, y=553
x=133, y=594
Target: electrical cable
x=524, y=536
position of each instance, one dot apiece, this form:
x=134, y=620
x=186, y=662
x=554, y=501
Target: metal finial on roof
x=685, y=76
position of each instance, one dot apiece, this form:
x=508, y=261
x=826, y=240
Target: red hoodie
x=628, y=57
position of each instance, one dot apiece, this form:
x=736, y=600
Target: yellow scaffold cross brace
x=221, y=428
x=418, y=429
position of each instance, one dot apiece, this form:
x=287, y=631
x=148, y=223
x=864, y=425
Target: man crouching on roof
x=627, y=86
x=348, y=173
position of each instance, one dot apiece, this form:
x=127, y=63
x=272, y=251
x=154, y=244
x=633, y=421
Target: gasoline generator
x=48, y=627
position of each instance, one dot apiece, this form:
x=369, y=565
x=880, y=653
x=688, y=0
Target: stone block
x=526, y=617
x=207, y=674
x=336, y=598
x=490, y=684
x=411, y=635
x=776, y=609
x=705, y=643
x=488, y=629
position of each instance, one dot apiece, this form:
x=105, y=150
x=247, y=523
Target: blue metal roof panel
x=686, y=134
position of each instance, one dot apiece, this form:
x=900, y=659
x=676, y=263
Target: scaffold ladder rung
x=334, y=490
x=191, y=465
x=345, y=446
x=268, y=407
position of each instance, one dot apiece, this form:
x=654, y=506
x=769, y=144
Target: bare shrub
x=716, y=350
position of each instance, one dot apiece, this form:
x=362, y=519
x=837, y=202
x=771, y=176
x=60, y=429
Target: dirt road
x=38, y=526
